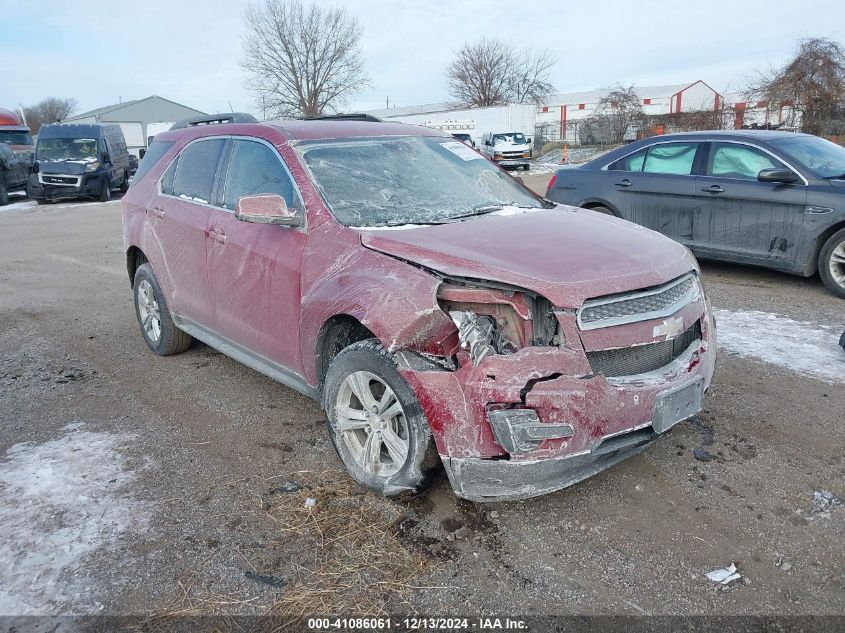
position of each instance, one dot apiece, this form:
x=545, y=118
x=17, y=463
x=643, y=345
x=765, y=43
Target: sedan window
x=670, y=158
x=731, y=160
x=254, y=168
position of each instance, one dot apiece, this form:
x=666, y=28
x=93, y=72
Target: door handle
x=713, y=189
x=159, y=212
x=624, y=183
x=218, y=236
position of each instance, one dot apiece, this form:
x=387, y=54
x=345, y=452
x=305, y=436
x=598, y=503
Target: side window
x=731, y=160
x=255, y=168
x=194, y=176
x=167, y=178
x=670, y=158
x=632, y=162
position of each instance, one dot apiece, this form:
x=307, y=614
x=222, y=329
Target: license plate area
x=677, y=404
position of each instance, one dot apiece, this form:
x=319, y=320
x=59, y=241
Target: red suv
x=441, y=312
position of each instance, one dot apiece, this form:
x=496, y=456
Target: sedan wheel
x=832, y=264
x=837, y=264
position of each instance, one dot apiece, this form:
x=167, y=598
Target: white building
x=139, y=119
x=557, y=117
x=564, y=111
x=476, y=122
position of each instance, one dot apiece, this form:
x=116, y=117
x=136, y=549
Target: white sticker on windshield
x=462, y=151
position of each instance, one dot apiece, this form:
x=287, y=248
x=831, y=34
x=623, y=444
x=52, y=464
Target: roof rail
x=352, y=116
x=214, y=119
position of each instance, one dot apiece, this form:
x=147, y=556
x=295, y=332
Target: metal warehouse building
x=140, y=119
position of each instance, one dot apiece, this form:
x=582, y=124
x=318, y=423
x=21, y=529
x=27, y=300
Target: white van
x=508, y=149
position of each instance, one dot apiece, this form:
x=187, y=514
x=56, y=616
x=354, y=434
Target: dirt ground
x=137, y=484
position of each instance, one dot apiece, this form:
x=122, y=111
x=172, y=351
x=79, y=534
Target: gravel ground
x=133, y=484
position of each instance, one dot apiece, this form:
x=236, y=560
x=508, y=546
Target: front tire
x=602, y=209
x=105, y=191
x=124, y=186
x=157, y=327
x=832, y=264
x=4, y=194
x=376, y=423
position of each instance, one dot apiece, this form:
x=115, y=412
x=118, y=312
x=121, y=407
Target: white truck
x=508, y=149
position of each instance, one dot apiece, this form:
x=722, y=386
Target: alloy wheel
x=149, y=311
x=837, y=264
x=372, y=424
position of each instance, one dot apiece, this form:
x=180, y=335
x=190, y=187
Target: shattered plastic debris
x=310, y=502
x=823, y=502
x=724, y=576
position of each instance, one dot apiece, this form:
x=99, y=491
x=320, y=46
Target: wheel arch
x=337, y=333
x=811, y=267
x=592, y=203
x=135, y=257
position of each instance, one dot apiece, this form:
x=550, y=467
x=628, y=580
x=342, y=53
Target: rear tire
x=157, y=327
x=832, y=264
x=382, y=438
x=124, y=186
x=4, y=194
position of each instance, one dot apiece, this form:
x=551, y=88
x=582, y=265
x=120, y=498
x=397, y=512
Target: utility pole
x=387, y=102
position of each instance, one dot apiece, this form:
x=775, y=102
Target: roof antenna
x=231, y=109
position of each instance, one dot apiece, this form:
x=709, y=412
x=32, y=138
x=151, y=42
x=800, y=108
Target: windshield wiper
x=478, y=210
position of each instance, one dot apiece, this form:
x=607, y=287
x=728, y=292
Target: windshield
x=61, y=149
x=15, y=137
x=823, y=158
x=391, y=181
x=511, y=138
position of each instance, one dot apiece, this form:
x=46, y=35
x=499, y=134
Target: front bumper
x=570, y=422
x=502, y=480
x=512, y=162
x=85, y=186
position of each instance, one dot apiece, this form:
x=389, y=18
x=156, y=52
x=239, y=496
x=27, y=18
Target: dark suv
x=769, y=198
x=441, y=312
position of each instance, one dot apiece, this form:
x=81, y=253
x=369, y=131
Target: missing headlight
x=479, y=335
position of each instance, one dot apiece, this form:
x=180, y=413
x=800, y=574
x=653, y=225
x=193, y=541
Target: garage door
x=134, y=134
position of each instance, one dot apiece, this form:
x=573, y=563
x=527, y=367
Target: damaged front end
x=534, y=397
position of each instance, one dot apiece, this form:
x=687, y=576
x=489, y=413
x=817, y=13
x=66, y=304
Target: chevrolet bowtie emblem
x=670, y=328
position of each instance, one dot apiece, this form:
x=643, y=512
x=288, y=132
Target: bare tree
x=50, y=110
x=490, y=72
x=619, y=111
x=811, y=86
x=302, y=59
x=529, y=78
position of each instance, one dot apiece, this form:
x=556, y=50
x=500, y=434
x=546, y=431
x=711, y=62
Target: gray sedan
x=768, y=198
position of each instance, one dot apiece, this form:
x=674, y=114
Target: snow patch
x=800, y=346
x=59, y=502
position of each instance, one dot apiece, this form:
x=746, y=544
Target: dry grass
x=358, y=562
x=346, y=558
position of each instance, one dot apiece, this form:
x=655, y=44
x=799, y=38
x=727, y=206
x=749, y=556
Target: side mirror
x=141, y=153
x=106, y=157
x=36, y=167
x=266, y=209
x=779, y=175
x=529, y=141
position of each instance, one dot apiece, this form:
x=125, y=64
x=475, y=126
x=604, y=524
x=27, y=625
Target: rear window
x=156, y=151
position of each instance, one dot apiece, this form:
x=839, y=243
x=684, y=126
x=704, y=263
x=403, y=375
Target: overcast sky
x=189, y=50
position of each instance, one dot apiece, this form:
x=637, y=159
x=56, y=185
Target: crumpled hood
x=564, y=254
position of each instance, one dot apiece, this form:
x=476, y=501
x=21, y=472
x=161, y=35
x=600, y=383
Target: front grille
x=629, y=361
x=637, y=306
x=59, y=180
